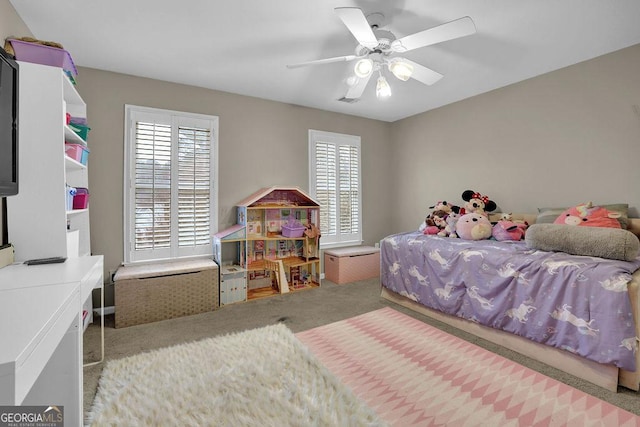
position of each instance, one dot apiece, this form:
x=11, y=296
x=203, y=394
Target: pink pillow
x=586, y=215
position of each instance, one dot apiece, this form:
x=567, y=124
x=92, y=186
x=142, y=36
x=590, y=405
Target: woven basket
x=145, y=294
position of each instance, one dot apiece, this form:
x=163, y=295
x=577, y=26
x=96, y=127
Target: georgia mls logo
x=55, y=412
x=32, y=416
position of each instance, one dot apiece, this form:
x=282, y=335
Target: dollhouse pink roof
x=279, y=195
x=229, y=231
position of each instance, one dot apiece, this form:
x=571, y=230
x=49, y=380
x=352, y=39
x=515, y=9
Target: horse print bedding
x=575, y=303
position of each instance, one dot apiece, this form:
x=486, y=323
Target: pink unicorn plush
x=587, y=215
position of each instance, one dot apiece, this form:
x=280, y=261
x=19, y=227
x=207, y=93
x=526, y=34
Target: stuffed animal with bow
x=477, y=203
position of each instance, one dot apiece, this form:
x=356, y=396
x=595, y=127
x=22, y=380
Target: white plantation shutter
x=334, y=181
x=326, y=190
x=170, y=185
x=349, y=185
x=194, y=198
x=152, y=186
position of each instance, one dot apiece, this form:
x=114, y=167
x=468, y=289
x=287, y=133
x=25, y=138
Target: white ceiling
x=242, y=46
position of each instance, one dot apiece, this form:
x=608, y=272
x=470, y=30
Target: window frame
x=315, y=137
x=176, y=118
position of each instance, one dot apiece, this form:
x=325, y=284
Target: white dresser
x=41, y=333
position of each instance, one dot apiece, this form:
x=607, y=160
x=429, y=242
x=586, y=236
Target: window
x=170, y=184
x=334, y=181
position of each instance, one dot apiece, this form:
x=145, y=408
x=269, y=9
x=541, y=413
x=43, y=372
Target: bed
x=578, y=314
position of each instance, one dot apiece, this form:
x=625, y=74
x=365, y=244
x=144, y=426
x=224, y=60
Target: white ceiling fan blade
x=324, y=61
x=357, y=89
x=357, y=23
x=422, y=73
x=449, y=31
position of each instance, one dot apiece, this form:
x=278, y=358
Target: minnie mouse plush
x=476, y=202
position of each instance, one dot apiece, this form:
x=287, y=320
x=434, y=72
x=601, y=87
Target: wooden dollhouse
x=276, y=242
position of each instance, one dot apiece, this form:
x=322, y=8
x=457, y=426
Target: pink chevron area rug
x=413, y=374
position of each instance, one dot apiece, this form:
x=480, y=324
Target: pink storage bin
x=77, y=152
x=41, y=54
x=81, y=199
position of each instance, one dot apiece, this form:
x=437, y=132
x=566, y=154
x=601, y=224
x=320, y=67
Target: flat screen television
x=8, y=125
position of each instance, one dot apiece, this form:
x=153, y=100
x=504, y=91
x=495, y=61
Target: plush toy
x=431, y=230
x=441, y=205
x=506, y=217
x=435, y=222
x=587, y=215
x=509, y=230
x=428, y=226
x=439, y=219
x=473, y=226
x=476, y=202
x=446, y=206
x=450, y=229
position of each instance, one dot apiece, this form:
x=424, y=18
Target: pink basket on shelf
x=81, y=199
x=77, y=152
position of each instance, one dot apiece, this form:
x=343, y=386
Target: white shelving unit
x=38, y=215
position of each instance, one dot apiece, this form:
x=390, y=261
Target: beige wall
x=11, y=25
x=261, y=143
x=565, y=137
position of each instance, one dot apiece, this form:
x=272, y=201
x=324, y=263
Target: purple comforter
x=576, y=303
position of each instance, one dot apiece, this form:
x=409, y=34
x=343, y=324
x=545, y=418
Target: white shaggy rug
x=261, y=377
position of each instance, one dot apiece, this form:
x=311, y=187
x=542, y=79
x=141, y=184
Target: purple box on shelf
x=78, y=120
x=81, y=199
x=293, y=229
x=42, y=54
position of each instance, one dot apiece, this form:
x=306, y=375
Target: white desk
x=41, y=333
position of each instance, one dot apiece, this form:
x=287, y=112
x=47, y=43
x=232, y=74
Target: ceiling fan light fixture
x=401, y=69
x=363, y=67
x=383, y=90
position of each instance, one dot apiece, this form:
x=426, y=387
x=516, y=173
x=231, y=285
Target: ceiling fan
x=376, y=48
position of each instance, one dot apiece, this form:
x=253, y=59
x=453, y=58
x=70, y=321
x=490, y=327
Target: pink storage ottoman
x=344, y=265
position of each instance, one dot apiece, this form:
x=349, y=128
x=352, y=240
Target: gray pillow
x=548, y=215
x=611, y=243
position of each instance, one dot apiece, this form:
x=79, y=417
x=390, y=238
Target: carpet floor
x=412, y=374
x=299, y=311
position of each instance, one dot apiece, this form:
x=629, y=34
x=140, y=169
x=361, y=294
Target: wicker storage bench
x=344, y=265
x=152, y=292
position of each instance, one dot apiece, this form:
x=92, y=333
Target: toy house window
x=334, y=182
x=170, y=184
